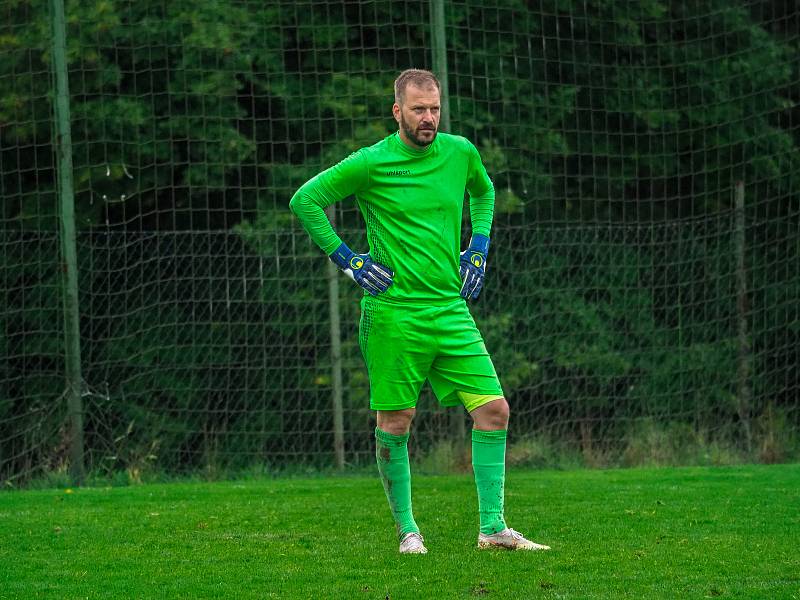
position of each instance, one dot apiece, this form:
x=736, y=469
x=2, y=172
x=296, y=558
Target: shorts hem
x=374, y=406
x=483, y=402
x=452, y=399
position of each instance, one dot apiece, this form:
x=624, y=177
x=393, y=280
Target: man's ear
x=396, y=111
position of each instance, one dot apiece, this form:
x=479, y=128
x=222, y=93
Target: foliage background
x=615, y=132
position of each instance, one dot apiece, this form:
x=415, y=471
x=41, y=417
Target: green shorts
x=404, y=344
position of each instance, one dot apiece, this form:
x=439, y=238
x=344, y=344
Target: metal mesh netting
x=634, y=311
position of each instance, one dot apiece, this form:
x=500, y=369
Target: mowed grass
x=731, y=532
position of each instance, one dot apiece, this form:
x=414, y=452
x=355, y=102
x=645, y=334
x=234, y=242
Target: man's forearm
x=309, y=206
x=315, y=195
x=481, y=209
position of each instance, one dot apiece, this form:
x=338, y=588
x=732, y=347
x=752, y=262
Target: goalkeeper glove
x=373, y=277
x=473, y=266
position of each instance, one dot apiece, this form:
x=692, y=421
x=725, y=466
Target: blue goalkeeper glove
x=473, y=266
x=373, y=277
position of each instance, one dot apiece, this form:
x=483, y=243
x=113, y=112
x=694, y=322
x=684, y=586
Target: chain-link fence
x=640, y=305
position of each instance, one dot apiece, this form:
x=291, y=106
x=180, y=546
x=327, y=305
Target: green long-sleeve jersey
x=412, y=202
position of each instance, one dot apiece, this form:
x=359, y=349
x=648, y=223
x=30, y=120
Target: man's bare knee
x=396, y=422
x=492, y=415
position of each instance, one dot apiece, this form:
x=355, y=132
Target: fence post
x=439, y=51
x=72, y=342
x=743, y=392
x=336, y=355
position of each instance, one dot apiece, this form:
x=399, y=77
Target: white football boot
x=412, y=543
x=508, y=539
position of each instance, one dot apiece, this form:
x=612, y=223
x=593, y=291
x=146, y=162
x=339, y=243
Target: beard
x=413, y=134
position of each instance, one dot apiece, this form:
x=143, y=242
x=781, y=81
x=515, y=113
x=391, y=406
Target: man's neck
x=411, y=145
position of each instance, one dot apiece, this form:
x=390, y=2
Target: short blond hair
x=416, y=77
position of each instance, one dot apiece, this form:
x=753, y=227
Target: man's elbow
x=488, y=194
x=297, y=201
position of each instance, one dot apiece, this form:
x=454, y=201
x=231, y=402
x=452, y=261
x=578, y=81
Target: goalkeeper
x=415, y=324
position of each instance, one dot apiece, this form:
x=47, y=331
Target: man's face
x=418, y=116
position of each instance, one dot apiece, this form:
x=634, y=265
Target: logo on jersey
x=477, y=260
x=398, y=172
x=356, y=263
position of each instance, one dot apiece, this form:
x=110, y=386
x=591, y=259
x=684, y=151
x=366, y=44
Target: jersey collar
x=408, y=150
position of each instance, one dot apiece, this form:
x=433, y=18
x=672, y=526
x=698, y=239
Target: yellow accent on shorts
x=473, y=401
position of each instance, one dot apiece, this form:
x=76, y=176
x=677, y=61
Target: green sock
x=392, y=454
x=489, y=465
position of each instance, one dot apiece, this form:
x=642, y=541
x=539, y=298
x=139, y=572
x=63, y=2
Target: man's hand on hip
x=473, y=266
x=372, y=276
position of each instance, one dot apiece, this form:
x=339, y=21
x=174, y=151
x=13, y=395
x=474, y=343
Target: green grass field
x=727, y=532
